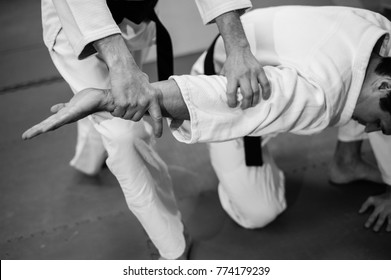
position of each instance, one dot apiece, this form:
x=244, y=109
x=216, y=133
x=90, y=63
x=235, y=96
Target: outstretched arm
x=202, y=100
x=89, y=101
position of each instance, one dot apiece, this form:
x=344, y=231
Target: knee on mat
x=261, y=217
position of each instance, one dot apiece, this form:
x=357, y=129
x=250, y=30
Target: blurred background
x=50, y=211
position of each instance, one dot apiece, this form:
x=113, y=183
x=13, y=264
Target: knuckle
x=231, y=94
x=136, y=118
x=132, y=103
x=126, y=117
x=158, y=118
x=143, y=102
x=245, y=75
x=116, y=114
x=120, y=104
x=265, y=85
x=247, y=94
x=144, y=76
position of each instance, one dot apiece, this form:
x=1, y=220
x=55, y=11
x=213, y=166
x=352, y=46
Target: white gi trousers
x=128, y=146
x=253, y=196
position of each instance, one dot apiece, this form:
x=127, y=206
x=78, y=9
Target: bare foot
x=347, y=165
x=344, y=173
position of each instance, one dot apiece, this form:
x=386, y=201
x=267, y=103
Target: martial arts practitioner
x=326, y=75
x=230, y=158
x=95, y=44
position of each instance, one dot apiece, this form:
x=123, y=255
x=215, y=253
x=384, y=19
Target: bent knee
x=261, y=217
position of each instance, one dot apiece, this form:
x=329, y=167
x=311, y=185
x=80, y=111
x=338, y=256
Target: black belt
x=165, y=57
x=138, y=11
x=252, y=145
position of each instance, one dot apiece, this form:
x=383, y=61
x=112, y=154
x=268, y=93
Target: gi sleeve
x=210, y=9
x=85, y=21
x=295, y=105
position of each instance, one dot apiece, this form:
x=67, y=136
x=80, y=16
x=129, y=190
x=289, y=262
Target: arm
x=241, y=67
x=89, y=101
x=90, y=27
x=202, y=100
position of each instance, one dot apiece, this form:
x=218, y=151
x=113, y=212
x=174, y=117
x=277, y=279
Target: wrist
x=114, y=52
x=107, y=102
x=238, y=48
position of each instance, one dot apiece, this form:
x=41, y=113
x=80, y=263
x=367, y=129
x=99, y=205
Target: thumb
x=364, y=207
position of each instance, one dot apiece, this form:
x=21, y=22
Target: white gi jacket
x=321, y=55
x=85, y=21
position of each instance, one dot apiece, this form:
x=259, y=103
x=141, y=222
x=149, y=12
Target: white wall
x=189, y=35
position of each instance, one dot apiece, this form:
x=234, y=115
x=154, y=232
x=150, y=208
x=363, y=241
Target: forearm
x=171, y=101
x=201, y=100
x=232, y=31
x=114, y=52
x=169, y=97
x=241, y=67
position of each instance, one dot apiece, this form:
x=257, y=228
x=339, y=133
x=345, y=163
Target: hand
x=133, y=96
x=82, y=104
x=132, y=93
x=381, y=213
x=243, y=70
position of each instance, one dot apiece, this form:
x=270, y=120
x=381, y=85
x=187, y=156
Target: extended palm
x=82, y=104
